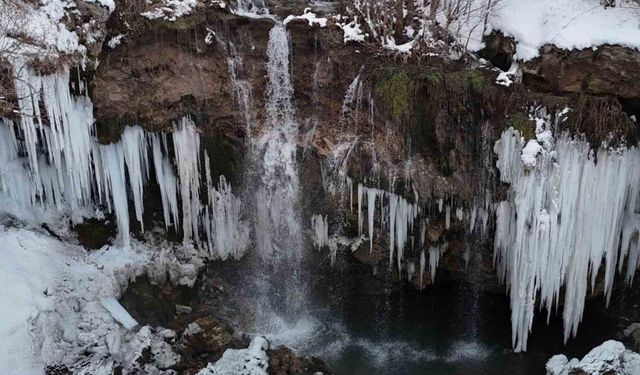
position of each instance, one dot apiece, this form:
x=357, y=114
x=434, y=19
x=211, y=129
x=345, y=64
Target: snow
x=508, y=77
x=58, y=303
x=33, y=30
x=564, y=215
x=567, y=24
x=309, y=16
x=109, y=4
x=352, y=32
x=530, y=152
x=115, y=41
x=610, y=357
x=250, y=361
x=170, y=10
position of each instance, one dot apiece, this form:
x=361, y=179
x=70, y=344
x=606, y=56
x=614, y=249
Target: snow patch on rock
x=250, y=361
x=567, y=24
x=609, y=358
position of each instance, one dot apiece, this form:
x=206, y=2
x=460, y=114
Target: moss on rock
x=521, y=122
x=395, y=90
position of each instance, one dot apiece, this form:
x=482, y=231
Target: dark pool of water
x=447, y=329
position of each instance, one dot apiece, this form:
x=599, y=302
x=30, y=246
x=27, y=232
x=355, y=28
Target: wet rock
x=209, y=336
x=143, y=297
x=282, y=361
x=499, y=50
x=204, y=341
x=94, y=233
x=435, y=230
x=182, y=309
x=632, y=336
x=167, y=334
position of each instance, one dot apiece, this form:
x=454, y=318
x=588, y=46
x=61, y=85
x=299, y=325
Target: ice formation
x=400, y=221
x=320, y=230
x=64, y=167
x=118, y=312
x=568, y=210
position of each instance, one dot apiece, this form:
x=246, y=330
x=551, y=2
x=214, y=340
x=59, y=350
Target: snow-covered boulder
x=609, y=358
x=250, y=361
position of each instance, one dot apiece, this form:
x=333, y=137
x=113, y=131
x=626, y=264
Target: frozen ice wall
x=570, y=211
x=51, y=159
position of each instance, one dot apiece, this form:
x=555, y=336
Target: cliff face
x=431, y=119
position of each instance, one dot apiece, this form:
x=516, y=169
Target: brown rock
x=282, y=361
x=608, y=70
x=435, y=229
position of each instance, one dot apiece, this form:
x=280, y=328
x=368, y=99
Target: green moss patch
x=395, y=93
x=521, y=122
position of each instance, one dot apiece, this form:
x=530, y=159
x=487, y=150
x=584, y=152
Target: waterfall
x=278, y=230
x=251, y=7
x=241, y=87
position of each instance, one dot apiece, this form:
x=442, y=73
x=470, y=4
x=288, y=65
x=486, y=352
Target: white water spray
x=278, y=231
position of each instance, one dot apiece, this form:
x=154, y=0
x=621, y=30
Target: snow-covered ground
x=58, y=301
x=567, y=24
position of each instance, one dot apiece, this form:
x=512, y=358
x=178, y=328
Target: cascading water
x=272, y=184
x=278, y=228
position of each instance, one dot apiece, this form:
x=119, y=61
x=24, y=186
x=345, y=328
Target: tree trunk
x=410, y=12
x=433, y=9
x=399, y=24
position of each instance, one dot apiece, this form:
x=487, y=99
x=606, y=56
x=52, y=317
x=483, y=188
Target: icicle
x=112, y=163
x=411, y=268
x=472, y=220
x=459, y=213
x=393, y=206
x=371, y=208
x=447, y=217
x=422, y=267
x=134, y=147
x=320, y=230
x=564, y=216
x=434, y=259
x=187, y=150
x=360, y=220
x=227, y=234
x=166, y=181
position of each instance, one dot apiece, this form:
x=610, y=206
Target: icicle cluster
x=65, y=168
x=570, y=208
x=398, y=214
x=320, y=230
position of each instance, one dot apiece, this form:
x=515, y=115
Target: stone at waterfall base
x=609, y=358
